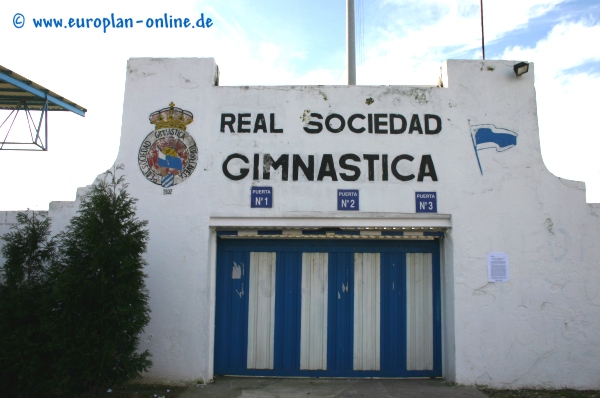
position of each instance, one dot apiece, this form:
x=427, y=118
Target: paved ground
x=287, y=388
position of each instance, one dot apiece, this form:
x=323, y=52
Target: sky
x=291, y=42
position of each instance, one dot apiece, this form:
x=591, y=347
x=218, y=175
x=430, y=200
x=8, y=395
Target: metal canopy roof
x=15, y=88
x=20, y=95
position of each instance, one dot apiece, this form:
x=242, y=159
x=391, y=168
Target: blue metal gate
x=292, y=307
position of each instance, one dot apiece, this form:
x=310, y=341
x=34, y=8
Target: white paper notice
x=497, y=267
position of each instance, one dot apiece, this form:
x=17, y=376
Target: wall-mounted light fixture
x=521, y=68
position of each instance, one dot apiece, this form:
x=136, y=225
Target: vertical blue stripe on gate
x=287, y=311
x=437, y=313
x=231, y=320
x=393, y=311
x=340, y=327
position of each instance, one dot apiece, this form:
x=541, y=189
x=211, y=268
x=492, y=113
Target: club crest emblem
x=169, y=155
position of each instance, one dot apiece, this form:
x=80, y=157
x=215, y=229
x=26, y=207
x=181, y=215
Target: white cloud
x=411, y=46
x=567, y=103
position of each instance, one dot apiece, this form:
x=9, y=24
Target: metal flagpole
x=475, y=146
x=350, y=42
x=482, y=41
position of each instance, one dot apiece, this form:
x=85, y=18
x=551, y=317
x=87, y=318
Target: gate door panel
x=366, y=311
x=419, y=306
x=351, y=308
x=261, y=310
x=313, y=324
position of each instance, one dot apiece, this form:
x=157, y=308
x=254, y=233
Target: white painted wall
x=539, y=329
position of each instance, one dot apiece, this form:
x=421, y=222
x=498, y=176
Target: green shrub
x=100, y=290
x=72, y=309
x=25, y=307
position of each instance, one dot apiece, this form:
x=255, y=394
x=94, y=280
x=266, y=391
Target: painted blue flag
x=171, y=162
x=491, y=137
x=488, y=136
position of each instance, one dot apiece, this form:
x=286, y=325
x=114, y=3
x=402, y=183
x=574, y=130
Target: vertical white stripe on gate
x=367, y=300
x=261, y=310
x=313, y=330
x=419, y=308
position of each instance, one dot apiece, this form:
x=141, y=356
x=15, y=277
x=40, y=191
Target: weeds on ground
x=136, y=391
x=527, y=393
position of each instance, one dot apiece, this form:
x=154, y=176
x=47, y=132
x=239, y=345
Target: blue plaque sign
x=347, y=199
x=261, y=197
x=426, y=202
